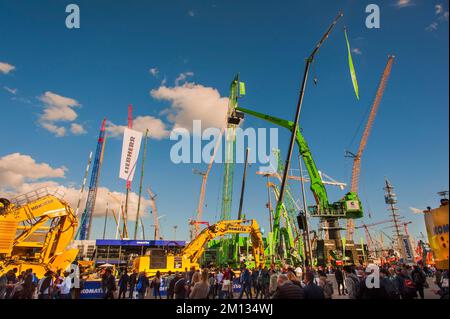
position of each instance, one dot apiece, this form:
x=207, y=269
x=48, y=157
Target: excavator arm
x=36, y=229
x=316, y=185
x=348, y=207
x=196, y=247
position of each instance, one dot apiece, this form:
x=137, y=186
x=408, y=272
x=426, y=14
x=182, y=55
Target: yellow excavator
x=35, y=230
x=190, y=254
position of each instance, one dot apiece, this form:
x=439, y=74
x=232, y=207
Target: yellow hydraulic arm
x=35, y=230
x=195, y=248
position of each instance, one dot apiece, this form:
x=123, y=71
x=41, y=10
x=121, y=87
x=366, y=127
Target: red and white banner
x=130, y=153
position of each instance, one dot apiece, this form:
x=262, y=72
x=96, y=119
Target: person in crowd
x=351, y=282
x=438, y=277
x=255, y=284
x=265, y=282
x=109, y=284
x=326, y=286
x=17, y=292
x=180, y=287
x=169, y=280
x=311, y=289
x=132, y=283
x=273, y=283
x=420, y=280
x=65, y=286
x=28, y=285
x=293, y=278
x=3, y=284
x=405, y=283
x=45, y=286
x=388, y=285
x=227, y=284
x=246, y=282
x=212, y=285
x=11, y=277
x=443, y=286
x=123, y=284
x=219, y=282
x=57, y=280
x=287, y=290
x=156, y=285
x=299, y=272
x=339, y=275
x=142, y=285
x=196, y=277
x=201, y=288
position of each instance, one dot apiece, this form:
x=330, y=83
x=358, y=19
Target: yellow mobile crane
x=35, y=230
x=190, y=254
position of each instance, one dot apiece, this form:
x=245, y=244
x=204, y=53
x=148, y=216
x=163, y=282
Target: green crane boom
x=348, y=207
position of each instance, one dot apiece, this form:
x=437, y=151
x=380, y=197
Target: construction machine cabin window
x=158, y=259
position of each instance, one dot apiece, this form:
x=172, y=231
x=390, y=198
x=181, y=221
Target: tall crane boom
x=154, y=212
x=201, y=200
x=92, y=194
x=362, y=145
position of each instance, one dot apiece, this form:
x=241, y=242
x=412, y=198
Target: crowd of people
x=395, y=282
x=27, y=285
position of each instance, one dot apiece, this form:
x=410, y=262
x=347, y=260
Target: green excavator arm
x=348, y=207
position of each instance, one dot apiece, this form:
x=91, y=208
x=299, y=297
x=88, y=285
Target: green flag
x=241, y=88
x=352, y=68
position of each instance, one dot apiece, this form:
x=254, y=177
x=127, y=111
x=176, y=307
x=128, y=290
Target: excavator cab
x=348, y=207
x=4, y=204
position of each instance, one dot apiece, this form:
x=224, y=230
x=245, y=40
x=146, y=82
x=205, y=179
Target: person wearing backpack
x=420, y=279
x=142, y=285
x=45, y=286
x=352, y=283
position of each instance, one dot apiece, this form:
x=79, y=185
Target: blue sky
x=104, y=66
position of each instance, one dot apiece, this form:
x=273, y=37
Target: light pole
x=175, y=232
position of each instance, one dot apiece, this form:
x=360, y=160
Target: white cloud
x=193, y=102
x=438, y=9
x=16, y=168
x=154, y=71
x=5, y=68
x=10, y=90
x=403, y=3
x=156, y=127
x=59, y=131
x=21, y=174
x=58, y=108
x=77, y=129
x=415, y=210
x=432, y=27
x=357, y=51
x=191, y=13
x=182, y=77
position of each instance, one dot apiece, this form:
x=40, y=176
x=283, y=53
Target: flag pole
x=140, y=185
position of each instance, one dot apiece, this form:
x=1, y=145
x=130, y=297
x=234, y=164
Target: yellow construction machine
x=35, y=230
x=190, y=254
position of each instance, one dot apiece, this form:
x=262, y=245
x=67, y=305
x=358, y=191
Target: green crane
x=347, y=207
x=237, y=90
x=285, y=235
